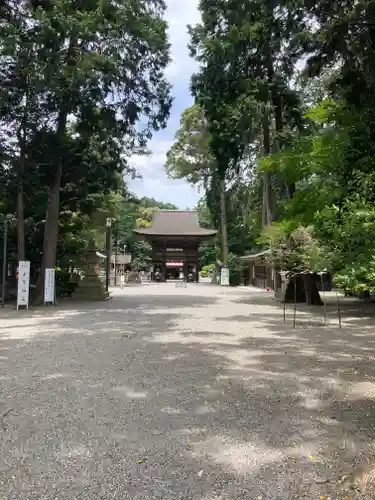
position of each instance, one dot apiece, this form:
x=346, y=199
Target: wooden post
x=295, y=301
x=338, y=310
x=321, y=274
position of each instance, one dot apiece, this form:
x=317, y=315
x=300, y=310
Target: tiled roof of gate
x=254, y=256
x=175, y=223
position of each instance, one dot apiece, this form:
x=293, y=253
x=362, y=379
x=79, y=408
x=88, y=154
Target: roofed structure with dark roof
x=175, y=223
x=255, y=256
x=175, y=236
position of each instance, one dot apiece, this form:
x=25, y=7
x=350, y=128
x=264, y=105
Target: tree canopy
x=279, y=139
x=284, y=114
x=83, y=89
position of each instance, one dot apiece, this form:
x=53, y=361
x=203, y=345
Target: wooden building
x=122, y=262
x=175, y=236
x=259, y=272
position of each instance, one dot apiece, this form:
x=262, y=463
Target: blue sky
x=154, y=182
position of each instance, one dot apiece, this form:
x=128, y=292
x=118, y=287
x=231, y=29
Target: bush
x=65, y=282
x=358, y=278
x=62, y=277
x=234, y=266
x=207, y=271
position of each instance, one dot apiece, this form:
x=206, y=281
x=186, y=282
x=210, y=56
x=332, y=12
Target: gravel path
x=197, y=393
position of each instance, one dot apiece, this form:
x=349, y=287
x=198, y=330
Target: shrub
x=207, y=271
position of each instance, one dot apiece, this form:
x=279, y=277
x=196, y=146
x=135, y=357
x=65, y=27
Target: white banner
x=49, y=286
x=224, y=276
x=23, y=284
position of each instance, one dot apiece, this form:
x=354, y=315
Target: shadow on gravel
x=354, y=312
x=121, y=401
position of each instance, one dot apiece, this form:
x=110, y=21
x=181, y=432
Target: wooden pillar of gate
x=164, y=260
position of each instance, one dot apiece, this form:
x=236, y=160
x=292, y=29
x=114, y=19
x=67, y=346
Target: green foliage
x=192, y=162
x=141, y=260
x=235, y=269
x=84, y=80
x=357, y=277
x=265, y=143
x=294, y=249
x=333, y=167
x=136, y=212
x=190, y=156
x=208, y=252
x=316, y=138
x=207, y=270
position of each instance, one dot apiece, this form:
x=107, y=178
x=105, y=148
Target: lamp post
x=116, y=255
x=108, y=225
x=116, y=250
x=5, y=244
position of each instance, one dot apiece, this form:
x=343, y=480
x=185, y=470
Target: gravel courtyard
x=196, y=393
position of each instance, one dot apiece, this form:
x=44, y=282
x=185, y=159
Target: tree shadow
x=354, y=312
x=152, y=397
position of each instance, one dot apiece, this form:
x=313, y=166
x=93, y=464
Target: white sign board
x=49, y=286
x=224, y=277
x=23, y=284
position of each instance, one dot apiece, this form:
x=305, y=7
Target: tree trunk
x=223, y=223
x=290, y=190
x=50, y=232
x=306, y=291
x=20, y=212
x=279, y=124
x=267, y=215
x=51, y=225
x=267, y=211
x=20, y=173
x=279, y=127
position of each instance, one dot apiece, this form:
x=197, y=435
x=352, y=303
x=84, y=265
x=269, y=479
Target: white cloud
x=180, y=14
x=148, y=166
x=155, y=182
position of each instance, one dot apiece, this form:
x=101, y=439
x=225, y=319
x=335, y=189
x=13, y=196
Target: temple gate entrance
x=175, y=236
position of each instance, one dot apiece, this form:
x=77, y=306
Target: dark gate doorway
x=173, y=270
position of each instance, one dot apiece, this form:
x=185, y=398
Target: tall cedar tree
x=242, y=83
x=95, y=59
